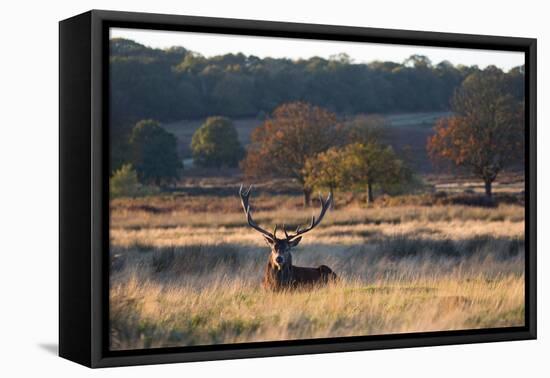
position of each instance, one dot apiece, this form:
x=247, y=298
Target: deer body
x=279, y=273
x=293, y=277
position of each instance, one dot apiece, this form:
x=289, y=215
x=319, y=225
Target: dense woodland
x=173, y=84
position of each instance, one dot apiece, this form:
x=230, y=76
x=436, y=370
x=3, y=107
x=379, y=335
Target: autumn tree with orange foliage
x=486, y=134
x=283, y=143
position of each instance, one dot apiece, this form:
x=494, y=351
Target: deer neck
x=281, y=276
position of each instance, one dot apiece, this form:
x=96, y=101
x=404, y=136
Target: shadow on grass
x=379, y=256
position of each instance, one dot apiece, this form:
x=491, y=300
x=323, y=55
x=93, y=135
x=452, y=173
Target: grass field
x=185, y=269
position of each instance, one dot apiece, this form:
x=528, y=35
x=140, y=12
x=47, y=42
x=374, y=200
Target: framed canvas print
x=234, y=188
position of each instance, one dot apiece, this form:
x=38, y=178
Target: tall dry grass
x=184, y=274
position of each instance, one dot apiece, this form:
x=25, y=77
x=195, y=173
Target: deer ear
x=268, y=240
x=295, y=242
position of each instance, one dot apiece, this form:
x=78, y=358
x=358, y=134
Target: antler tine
x=325, y=204
x=284, y=229
x=243, y=191
x=245, y=195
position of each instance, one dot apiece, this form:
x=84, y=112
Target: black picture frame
x=84, y=200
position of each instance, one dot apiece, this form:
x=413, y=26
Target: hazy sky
x=217, y=44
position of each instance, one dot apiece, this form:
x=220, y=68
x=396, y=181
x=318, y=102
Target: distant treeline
x=176, y=83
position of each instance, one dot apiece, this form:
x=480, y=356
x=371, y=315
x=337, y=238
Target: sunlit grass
x=182, y=275
x=150, y=314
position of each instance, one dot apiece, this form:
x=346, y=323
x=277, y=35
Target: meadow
x=186, y=269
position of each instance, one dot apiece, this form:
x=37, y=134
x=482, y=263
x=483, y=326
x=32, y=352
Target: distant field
x=186, y=270
x=415, y=120
x=408, y=132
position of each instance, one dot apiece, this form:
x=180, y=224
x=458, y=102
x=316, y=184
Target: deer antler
x=245, y=195
x=325, y=204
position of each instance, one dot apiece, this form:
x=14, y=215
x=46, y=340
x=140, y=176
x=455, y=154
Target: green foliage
x=174, y=84
x=124, y=182
x=327, y=170
x=216, y=144
x=154, y=154
x=376, y=164
x=360, y=166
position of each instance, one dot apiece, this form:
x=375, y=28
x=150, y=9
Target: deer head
x=280, y=256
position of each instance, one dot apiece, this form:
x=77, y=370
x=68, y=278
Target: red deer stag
x=279, y=273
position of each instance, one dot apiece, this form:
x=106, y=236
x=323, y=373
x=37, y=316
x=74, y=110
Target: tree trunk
x=370, y=195
x=489, y=188
x=307, y=197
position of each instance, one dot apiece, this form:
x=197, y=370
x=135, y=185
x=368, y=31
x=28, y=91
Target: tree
x=327, y=170
x=148, y=82
x=216, y=144
x=154, y=153
x=295, y=133
x=374, y=164
x=486, y=134
x=124, y=182
x=418, y=61
x=358, y=166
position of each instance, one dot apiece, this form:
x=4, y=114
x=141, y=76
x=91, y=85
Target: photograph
x=266, y=189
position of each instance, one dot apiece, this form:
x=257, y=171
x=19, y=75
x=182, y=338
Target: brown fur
x=279, y=273
x=294, y=277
